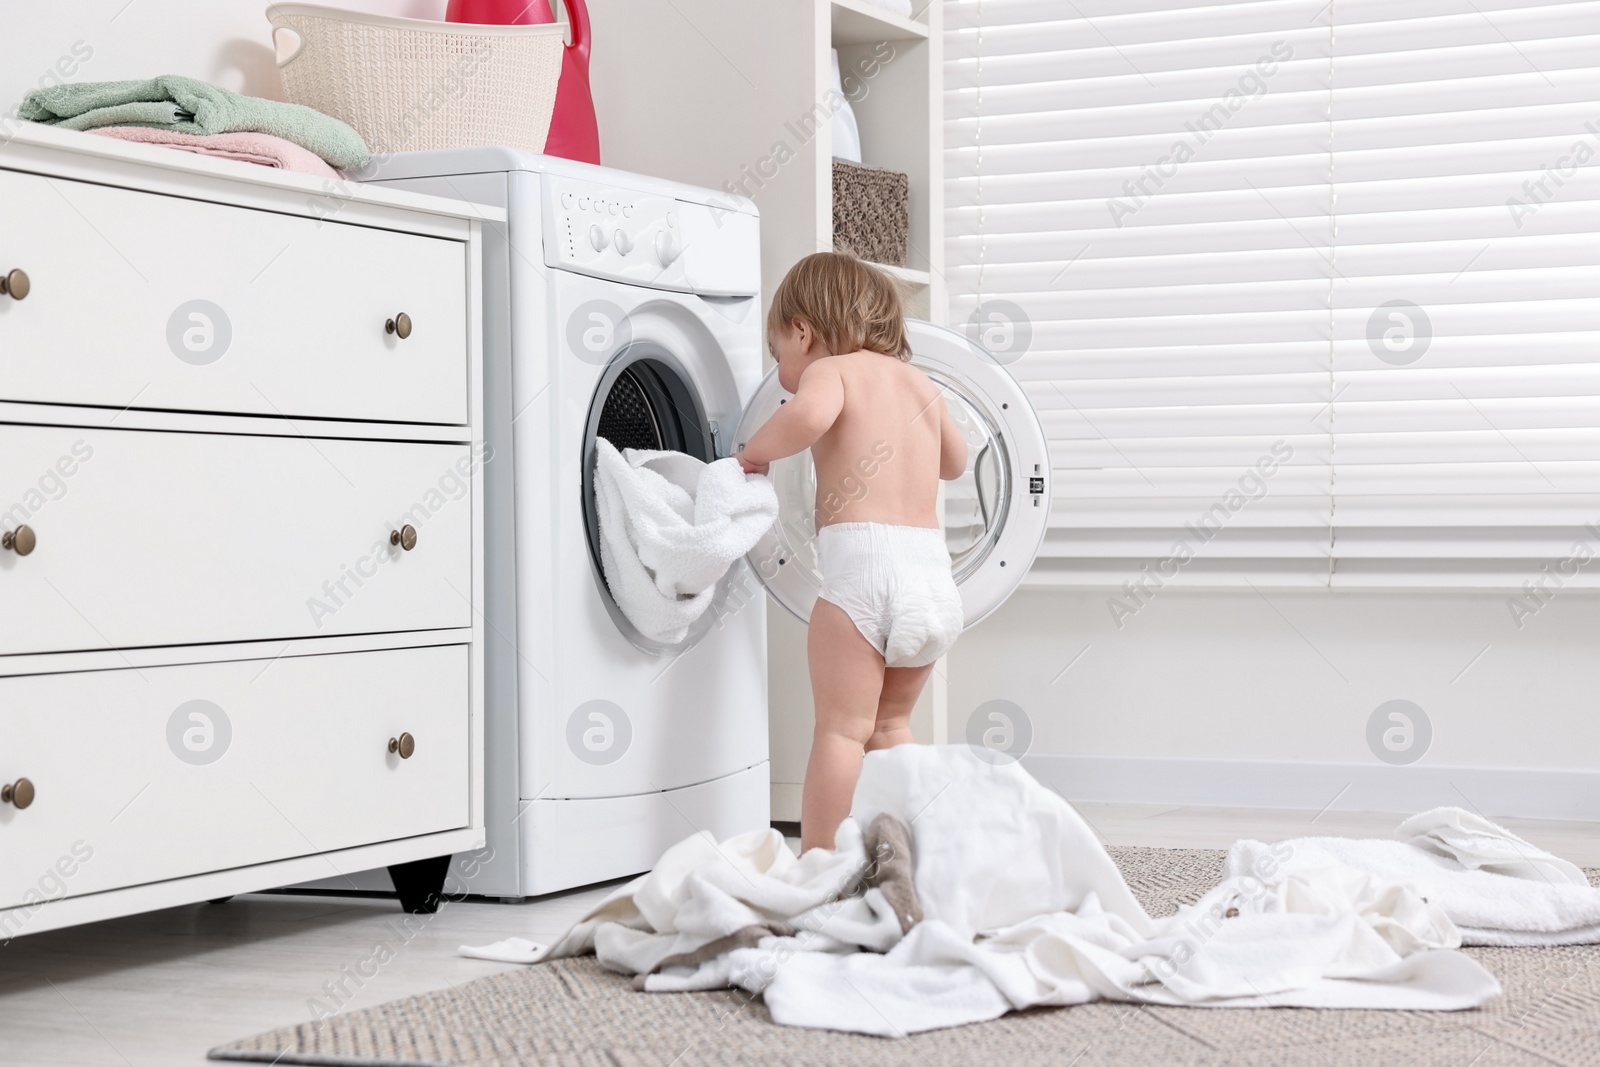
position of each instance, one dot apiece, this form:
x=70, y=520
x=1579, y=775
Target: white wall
x=1238, y=699
x=221, y=41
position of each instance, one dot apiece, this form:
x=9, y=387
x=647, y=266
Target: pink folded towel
x=262, y=148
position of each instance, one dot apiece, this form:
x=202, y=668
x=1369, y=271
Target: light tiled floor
x=162, y=988
x=159, y=989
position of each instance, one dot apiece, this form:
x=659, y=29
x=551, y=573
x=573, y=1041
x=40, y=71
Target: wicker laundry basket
x=871, y=212
x=409, y=85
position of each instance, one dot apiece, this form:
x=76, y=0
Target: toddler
x=881, y=439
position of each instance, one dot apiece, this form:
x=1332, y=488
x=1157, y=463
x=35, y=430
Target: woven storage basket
x=409, y=85
x=871, y=212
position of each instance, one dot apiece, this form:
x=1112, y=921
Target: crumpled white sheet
x=1497, y=888
x=1022, y=907
x=670, y=527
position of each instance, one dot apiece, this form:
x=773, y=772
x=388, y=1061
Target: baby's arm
x=952, y=445
x=797, y=425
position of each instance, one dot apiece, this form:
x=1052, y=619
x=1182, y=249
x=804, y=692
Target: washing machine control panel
x=651, y=240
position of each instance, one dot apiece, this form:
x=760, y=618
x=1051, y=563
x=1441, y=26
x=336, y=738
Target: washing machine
x=629, y=308
x=623, y=307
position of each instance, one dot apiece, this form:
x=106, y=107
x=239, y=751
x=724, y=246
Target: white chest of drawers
x=241, y=636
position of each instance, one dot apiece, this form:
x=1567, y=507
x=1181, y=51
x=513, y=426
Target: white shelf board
x=905, y=274
x=858, y=22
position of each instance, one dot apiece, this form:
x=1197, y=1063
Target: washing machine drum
x=994, y=515
x=638, y=409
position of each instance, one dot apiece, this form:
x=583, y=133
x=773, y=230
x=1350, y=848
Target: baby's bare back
x=879, y=462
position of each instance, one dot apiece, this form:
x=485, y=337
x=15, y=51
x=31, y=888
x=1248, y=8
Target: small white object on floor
x=670, y=527
x=1022, y=908
x=1496, y=887
x=511, y=950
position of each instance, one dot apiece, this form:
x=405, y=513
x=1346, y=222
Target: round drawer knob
x=15, y=284
x=400, y=326
x=403, y=746
x=21, y=540
x=19, y=793
x=405, y=537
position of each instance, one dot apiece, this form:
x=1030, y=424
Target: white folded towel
x=1496, y=887
x=670, y=527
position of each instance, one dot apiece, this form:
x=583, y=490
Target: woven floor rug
x=571, y=1012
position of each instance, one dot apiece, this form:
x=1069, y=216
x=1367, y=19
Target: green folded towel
x=189, y=106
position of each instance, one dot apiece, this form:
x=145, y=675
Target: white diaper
x=895, y=584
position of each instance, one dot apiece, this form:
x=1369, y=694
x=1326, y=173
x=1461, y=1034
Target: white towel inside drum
x=670, y=527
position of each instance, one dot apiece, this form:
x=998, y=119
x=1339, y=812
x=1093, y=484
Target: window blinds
x=1467, y=444
x=1261, y=268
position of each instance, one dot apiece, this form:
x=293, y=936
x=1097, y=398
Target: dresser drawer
x=143, y=538
x=159, y=302
x=161, y=772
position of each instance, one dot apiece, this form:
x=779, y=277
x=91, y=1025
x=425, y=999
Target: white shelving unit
x=912, y=278
x=744, y=107
x=899, y=109
x=858, y=22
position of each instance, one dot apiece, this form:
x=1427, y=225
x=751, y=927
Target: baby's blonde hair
x=851, y=305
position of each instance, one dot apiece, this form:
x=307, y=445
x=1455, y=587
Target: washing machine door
x=995, y=514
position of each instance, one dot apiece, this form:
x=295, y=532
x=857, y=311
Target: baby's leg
x=901, y=687
x=846, y=681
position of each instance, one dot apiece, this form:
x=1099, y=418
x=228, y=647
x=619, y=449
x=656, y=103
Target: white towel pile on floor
x=1497, y=888
x=670, y=527
x=1021, y=907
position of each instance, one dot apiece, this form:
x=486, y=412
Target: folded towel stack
x=186, y=106
x=262, y=149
